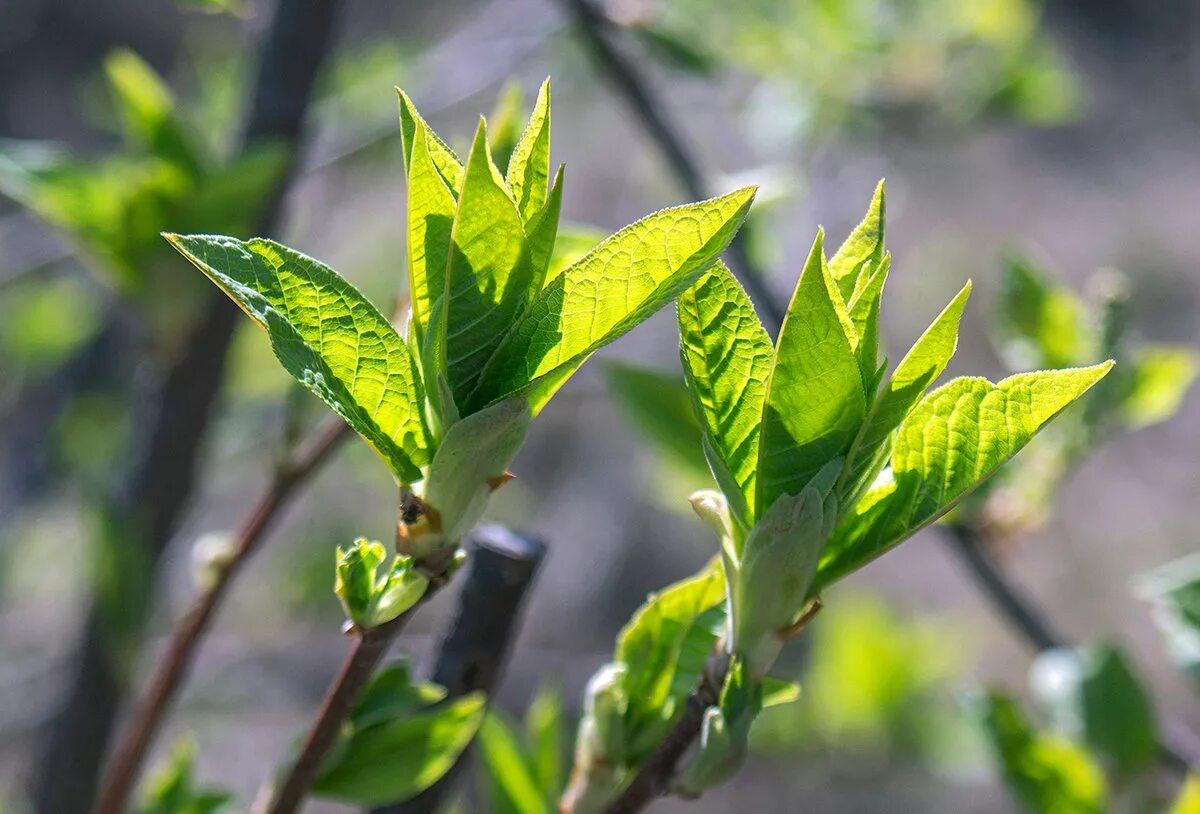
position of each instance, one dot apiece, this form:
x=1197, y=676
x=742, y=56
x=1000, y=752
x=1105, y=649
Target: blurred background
x=1064, y=133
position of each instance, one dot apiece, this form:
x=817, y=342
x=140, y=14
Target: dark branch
x=471, y=658
x=595, y=29
x=145, y=511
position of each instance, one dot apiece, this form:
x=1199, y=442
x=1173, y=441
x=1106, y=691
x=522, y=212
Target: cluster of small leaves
x=172, y=788
x=368, y=598
x=823, y=461
x=113, y=207
x=1102, y=724
x=401, y=739
x=491, y=335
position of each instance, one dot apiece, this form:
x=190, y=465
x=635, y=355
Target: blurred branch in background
x=595, y=29
x=153, y=704
x=145, y=511
x=473, y=651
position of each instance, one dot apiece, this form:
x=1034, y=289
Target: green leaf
x=395, y=760
x=663, y=648
x=529, y=170
x=1117, y=715
x=815, y=403
x=1188, y=801
x=512, y=786
x=355, y=582
x=863, y=251
x=620, y=283
x=1041, y=326
x=473, y=456
x=147, y=110
x=864, y=313
x=544, y=732
x=443, y=157
x=777, y=565
x=328, y=336
x=1047, y=774
x=726, y=355
x=489, y=273
x=657, y=405
x=171, y=788
x=1159, y=379
x=919, y=368
x=431, y=208
x=392, y=694
x=952, y=441
x=543, y=233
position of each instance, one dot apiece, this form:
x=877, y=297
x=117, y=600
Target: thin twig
x=150, y=710
x=595, y=27
x=1178, y=749
x=369, y=649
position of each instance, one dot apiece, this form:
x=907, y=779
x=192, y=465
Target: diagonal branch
x=151, y=708
x=595, y=28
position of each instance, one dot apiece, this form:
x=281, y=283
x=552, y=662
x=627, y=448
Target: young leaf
x=397, y=759
x=392, y=695
x=864, y=313
x=147, y=110
x=529, y=169
x=431, y=208
x=815, y=402
x=1047, y=774
x=726, y=355
x=328, y=336
x=1159, y=380
x=489, y=275
x=1041, y=326
x=443, y=157
x=620, y=283
x=862, y=253
x=923, y=363
x=512, y=786
x=948, y=444
x=663, y=648
x=1117, y=716
x=544, y=732
x=543, y=234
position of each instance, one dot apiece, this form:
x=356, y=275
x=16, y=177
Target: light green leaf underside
x=328, y=336
x=613, y=288
x=443, y=157
x=490, y=278
x=952, y=440
x=864, y=247
x=726, y=355
x=431, y=209
x=529, y=168
x=815, y=401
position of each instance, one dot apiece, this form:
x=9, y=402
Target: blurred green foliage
x=524, y=768
x=832, y=65
x=172, y=788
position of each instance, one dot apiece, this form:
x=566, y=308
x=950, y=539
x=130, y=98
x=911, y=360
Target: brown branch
x=594, y=27
x=370, y=646
x=151, y=708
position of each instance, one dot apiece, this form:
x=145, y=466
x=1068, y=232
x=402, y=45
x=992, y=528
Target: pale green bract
x=327, y=335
